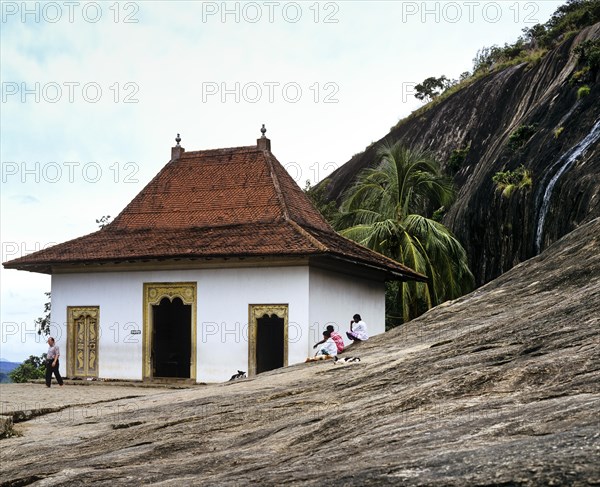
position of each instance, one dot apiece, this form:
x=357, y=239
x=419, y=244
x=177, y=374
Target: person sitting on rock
x=358, y=329
x=335, y=336
x=328, y=347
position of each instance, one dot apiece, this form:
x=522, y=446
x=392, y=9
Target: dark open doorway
x=269, y=343
x=171, y=339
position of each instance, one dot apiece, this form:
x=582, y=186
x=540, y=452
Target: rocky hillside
x=500, y=387
x=562, y=156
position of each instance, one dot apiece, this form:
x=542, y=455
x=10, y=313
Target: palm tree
x=382, y=211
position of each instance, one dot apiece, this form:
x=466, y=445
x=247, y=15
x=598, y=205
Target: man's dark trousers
x=49, y=370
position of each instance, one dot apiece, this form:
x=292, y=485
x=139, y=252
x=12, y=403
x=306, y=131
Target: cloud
x=24, y=199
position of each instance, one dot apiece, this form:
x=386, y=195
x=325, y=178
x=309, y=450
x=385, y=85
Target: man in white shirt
x=52, y=363
x=358, y=329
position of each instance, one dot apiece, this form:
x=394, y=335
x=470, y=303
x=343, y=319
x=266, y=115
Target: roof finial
x=177, y=150
x=263, y=143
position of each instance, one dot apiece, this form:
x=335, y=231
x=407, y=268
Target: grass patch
x=509, y=181
x=530, y=57
x=436, y=101
x=583, y=92
x=558, y=131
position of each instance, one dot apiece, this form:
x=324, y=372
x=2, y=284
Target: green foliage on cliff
x=583, y=92
x=574, y=15
x=496, y=58
x=530, y=48
x=509, y=181
x=317, y=195
x=580, y=76
x=589, y=60
x=457, y=159
x=31, y=368
x=521, y=135
x=567, y=20
x=589, y=55
x=433, y=87
x=382, y=211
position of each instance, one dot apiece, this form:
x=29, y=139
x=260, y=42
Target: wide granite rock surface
x=500, y=387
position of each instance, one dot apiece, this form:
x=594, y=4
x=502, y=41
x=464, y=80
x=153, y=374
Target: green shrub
x=32, y=368
x=456, y=160
x=583, y=92
x=580, y=76
x=534, y=57
x=589, y=54
x=574, y=15
x=521, y=136
x=589, y=57
x=509, y=181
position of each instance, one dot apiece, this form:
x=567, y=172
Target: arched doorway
x=169, y=351
x=267, y=337
x=171, y=338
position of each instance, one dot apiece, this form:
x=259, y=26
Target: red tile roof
x=222, y=203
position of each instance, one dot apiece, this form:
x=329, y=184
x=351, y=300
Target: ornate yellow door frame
x=256, y=311
x=82, y=341
x=154, y=292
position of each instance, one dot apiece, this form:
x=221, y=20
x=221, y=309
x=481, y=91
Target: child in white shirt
x=329, y=347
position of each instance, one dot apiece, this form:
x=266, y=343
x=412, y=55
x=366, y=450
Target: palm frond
x=381, y=210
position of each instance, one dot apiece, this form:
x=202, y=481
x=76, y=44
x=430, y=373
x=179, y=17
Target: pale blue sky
x=66, y=162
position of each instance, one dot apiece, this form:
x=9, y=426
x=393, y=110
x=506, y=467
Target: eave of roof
x=218, y=204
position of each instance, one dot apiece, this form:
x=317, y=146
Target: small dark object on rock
x=345, y=360
x=240, y=375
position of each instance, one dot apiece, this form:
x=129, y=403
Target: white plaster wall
x=119, y=296
x=335, y=298
x=222, y=314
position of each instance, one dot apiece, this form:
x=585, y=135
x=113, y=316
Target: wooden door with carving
x=83, y=326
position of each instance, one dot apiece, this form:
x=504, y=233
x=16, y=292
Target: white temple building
x=220, y=263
